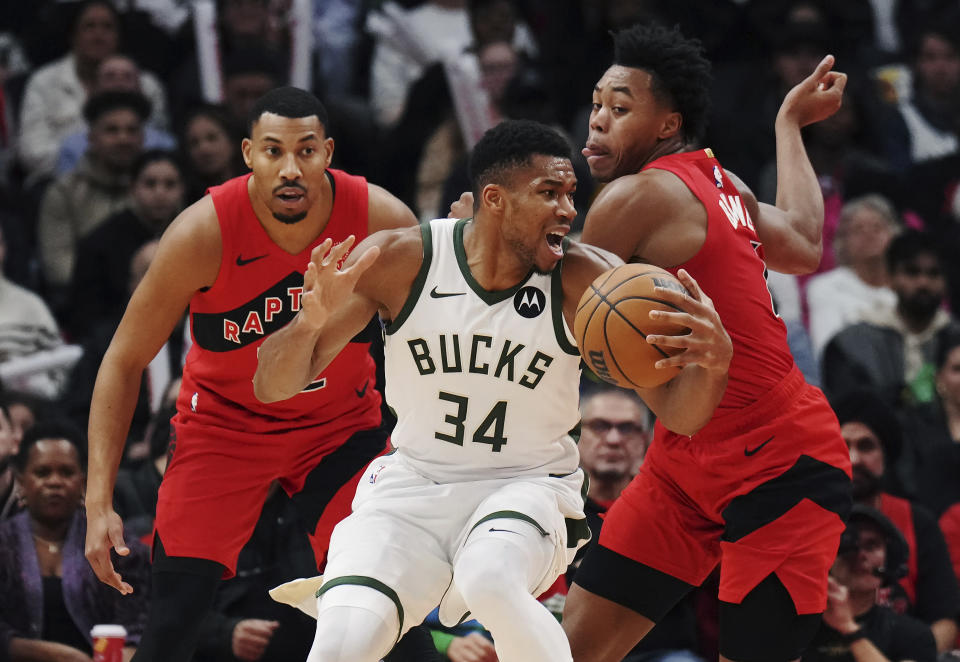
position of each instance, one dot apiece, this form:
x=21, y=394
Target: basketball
x=613, y=321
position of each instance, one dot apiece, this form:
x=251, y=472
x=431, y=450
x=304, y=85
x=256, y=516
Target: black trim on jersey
x=416, y=288
x=826, y=485
x=486, y=296
x=556, y=301
x=208, y=328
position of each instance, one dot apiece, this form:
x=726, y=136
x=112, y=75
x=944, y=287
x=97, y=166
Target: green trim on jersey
x=510, y=514
x=486, y=296
x=577, y=530
x=370, y=582
x=556, y=296
x=417, y=287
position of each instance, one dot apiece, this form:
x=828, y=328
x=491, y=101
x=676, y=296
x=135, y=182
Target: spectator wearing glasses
x=615, y=430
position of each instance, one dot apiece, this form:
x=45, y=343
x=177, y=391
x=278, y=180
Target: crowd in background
x=117, y=114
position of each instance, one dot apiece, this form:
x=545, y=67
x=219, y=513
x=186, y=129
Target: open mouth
x=555, y=241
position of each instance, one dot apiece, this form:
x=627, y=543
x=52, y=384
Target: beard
x=922, y=305
x=866, y=484
x=290, y=219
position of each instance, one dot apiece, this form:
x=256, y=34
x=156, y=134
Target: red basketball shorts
x=217, y=480
x=763, y=490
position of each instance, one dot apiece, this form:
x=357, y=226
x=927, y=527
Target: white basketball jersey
x=484, y=384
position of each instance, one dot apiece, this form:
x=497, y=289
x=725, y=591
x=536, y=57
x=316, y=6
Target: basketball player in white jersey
x=480, y=507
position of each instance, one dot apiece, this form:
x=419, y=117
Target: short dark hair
x=287, y=102
x=906, y=246
x=53, y=429
x=680, y=72
x=512, y=144
x=866, y=407
x=155, y=155
x=80, y=8
x=110, y=100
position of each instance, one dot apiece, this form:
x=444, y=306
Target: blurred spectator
x=616, y=428
x=50, y=598
x=100, y=282
x=892, y=351
x=116, y=72
x=926, y=120
x=244, y=622
x=859, y=284
x=24, y=410
x=10, y=493
x=932, y=432
x=165, y=366
x=99, y=186
x=135, y=493
x=27, y=327
x=56, y=93
x=248, y=74
x=336, y=25
x=855, y=626
x=211, y=143
x=929, y=587
x=950, y=525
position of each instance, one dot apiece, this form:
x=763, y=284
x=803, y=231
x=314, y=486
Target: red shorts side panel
x=770, y=497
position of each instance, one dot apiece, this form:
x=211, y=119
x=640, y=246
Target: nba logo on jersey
x=717, y=177
x=376, y=473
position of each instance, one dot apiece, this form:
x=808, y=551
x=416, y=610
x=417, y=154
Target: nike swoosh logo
x=504, y=531
x=242, y=263
x=442, y=295
x=750, y=451
x=361, y=391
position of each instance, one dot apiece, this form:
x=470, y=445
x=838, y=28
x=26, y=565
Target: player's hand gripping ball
x=613, y=321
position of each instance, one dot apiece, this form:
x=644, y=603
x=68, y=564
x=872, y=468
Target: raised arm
x=332, y=311
x=791, y=231
x=188, y=259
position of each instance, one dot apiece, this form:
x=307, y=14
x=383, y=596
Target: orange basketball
x=613, y=321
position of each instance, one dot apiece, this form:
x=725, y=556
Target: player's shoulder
x=192, y=242
x=386, y=210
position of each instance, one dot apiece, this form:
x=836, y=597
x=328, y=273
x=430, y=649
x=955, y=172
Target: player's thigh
x=765, y=625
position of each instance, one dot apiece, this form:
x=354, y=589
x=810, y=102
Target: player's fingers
x=115, y=533
x=317, y=254
x=338, y=251
x=826, y=64
x=310, y=277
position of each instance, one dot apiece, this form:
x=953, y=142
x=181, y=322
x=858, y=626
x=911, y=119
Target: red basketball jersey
x=257, y=292
x=730, y=269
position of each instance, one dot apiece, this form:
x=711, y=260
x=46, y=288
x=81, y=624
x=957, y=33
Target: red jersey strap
x=900, y=513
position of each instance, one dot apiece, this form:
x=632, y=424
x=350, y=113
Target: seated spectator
x=99, y=286
x=928, y=590
x=950, y=525
x=99, y=186
x=932, y=432
x=116, y=72
x=859, y=284
x=923, y=124
x=135, y=493
x=27, y=327
x=855, y=626
x=56, y=93
x=10, y=496
x=211, y=144
x=23, y=411
x=616, y=428
x=50, y=598
x=244, y=622
x=892, y=351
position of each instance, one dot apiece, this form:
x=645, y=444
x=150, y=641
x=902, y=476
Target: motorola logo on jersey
x=529, y=302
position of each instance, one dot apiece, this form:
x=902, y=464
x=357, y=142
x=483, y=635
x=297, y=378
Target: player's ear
x=671, y=125
x=327, y=147
x=492, y=197
x=246, y=148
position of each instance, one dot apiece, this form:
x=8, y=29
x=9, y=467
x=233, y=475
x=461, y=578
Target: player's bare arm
x=685, y=403
x=791, y=231
x=336, y=305
x=650, y=217
x=385, y=211
x=188, y=259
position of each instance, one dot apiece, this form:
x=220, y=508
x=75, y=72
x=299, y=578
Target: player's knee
x=354, y=624
x=486, y=580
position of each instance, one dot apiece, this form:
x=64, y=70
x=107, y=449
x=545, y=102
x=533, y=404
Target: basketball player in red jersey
x=763, y=485
x=237, y=258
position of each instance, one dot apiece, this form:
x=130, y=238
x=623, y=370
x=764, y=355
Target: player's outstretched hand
x=462, y=208
x=105, y=532
x=707, y=344
x=326, y=283
x=817, y=97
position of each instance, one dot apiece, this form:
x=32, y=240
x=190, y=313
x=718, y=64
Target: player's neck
x=494, y=265
x=672, y=145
